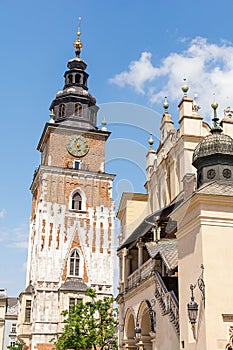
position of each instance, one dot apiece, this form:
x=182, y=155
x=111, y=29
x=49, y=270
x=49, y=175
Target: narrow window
x=77, y=78
x=13, y=328
x=61, y=110
x=74, y=263
x=28, y=311
x=92, y=116
x=76, y=165
x=78, y=109
x=85, y=80
x=70, y=79
x=77, y=201
x=71, y=305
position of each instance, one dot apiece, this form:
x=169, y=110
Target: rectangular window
x=13, y=328
x=28, y=311
x=71, y=304
x=13, y=342
x=76, y=165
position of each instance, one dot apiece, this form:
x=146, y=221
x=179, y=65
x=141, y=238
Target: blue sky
x=137, y=53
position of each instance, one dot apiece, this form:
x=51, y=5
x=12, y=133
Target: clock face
x=77, y=145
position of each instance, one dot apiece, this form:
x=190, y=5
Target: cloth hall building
x=175, y=259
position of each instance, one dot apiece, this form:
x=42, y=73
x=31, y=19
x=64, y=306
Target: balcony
x=143, y=272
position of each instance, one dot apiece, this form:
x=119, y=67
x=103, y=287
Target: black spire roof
x=74, y=105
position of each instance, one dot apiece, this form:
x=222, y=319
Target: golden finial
x=214, y=104
x=165, y=104
x=185, y=88
x=151, y=142
x=78, y=43
x=216, y=128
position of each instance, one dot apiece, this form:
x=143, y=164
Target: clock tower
x=72, y=218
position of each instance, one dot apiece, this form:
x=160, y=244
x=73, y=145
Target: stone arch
x=146, y=321
x=129, y=324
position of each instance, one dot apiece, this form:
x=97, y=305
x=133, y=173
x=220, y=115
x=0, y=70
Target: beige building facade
x=177, y=261
x=8, y=320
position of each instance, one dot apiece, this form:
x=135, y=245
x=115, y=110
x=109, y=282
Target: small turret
x=166, y=122
x=190, y=121
x=213, y=156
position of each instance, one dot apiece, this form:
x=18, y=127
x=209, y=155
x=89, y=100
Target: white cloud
x=139, y=72
x=207, y=67
x=2, y=213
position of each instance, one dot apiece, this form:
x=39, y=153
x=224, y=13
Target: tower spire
x=78, y=43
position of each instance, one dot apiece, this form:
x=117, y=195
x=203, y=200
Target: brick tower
x=72, y=219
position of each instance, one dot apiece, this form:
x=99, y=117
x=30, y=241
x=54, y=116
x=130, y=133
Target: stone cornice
x=72, y=173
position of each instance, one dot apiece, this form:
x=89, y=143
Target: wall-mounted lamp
x=192, y=306
x=192, y=311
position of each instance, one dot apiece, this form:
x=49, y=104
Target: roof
x=148, y=222
x=168, y=251
x=219, y=187
x=12, y=301
x=73, y=285
x=212, y=145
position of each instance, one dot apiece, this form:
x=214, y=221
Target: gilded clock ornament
x=77, y=145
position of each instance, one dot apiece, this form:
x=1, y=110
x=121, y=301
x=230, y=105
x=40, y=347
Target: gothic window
x=77, y=201
x=61, y=110
x=28, y=311
x=74, y=263
x=78, y=109
x=77, y=78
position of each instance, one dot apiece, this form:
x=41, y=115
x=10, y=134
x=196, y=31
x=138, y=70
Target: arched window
x=85, y=80
x=92, y=116
x=61, y=110
x=78, y=109
x=74, y=263
x=77, y=78
x=77, y=201
x=70, y=79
